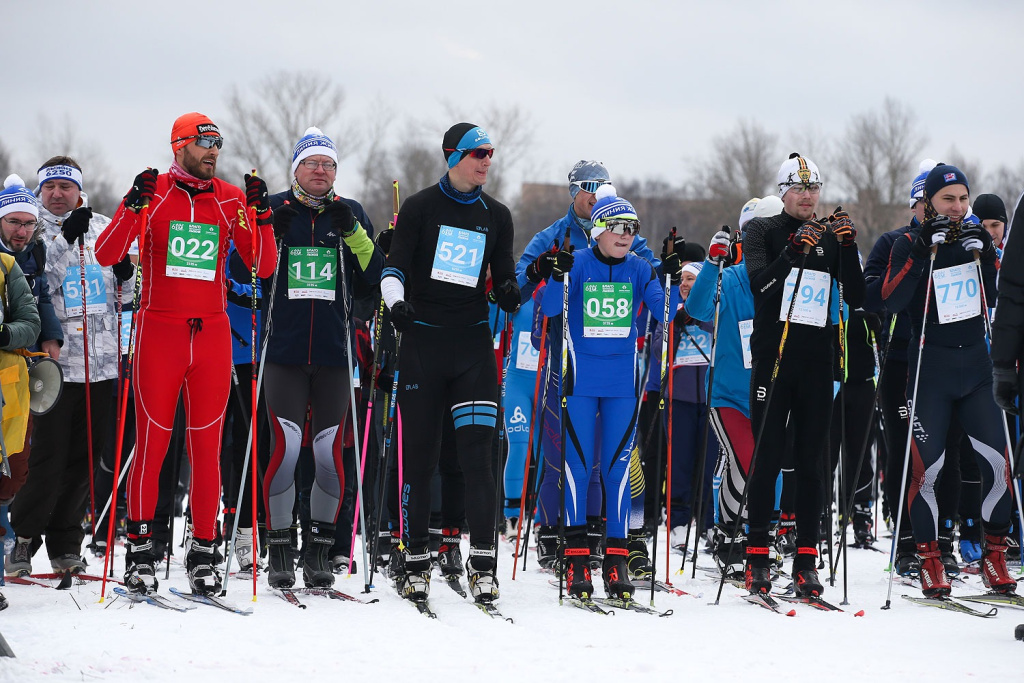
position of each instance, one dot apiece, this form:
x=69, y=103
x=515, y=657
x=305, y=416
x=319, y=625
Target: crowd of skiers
x=420, y=381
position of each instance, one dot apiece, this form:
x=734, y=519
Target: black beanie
x=451, y=140
x=989, y=206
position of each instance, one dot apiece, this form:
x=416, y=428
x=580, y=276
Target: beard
x=197, y=168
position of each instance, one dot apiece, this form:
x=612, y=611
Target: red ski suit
x=183, y=342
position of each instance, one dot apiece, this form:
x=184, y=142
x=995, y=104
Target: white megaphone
x=45, y=384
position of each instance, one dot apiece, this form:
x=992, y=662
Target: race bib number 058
x=607, y=309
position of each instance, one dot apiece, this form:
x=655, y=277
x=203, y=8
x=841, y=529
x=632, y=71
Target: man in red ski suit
x=182, y=338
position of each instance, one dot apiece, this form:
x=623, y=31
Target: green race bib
x=192, y=250
x=312, y=272
x=607, y=309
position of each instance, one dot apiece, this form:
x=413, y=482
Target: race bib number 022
x=192, y=250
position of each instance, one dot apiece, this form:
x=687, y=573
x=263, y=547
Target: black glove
x=5, y=335
x=76, y=225
x=842, y=227
x=672, y=245
x=562, y=263
x=383, y=240
x=926, y=235
x=672, y=265
x=402, y=315
x=543, y=265
x=142, y=190
x=124, y=269
x=340, y=215
x=256, y=194
x=506, y=295
x=283, y=216
x=1005, y=386
x=975, y=238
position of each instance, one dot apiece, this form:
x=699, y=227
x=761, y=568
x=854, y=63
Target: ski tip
x=859, y=614
x=791, y=613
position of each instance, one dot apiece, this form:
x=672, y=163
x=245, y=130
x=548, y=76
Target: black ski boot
x=449, y=554
x=805, y=574
x=947, y=558
x=316, y=562
x=480, y=568
x=907, y=562
x=577, y=563
x=139, y=563
x=615, y=570
x=862, y=525
x=279, y=551
x=412, y=571
x=547, y=546
x=787, y=534
x=757, y=574
x=202, y=568
x=639, y=561
x=729, y=553
x=595, y=539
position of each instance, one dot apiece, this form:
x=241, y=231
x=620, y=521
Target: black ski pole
x=661, y=442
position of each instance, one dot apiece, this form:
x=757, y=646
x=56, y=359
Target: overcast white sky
x=643, y=86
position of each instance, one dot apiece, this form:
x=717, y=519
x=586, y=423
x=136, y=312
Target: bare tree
x=1007, y=183
x=62, y=138
x=901, y=142
x=741, y=166
x=267, y=119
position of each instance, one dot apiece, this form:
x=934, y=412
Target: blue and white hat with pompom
x=16, y=198
x=313, y=142
x=609, y=205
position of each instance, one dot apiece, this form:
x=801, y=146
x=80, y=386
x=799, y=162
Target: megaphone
x=45, y=384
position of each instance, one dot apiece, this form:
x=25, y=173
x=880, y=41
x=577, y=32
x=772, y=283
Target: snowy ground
x=59, y=635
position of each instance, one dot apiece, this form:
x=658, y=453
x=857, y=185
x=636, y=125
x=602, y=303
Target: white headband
x=60, y=172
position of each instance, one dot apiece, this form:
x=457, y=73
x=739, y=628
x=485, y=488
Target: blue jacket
x=732, y=379
x=578, y=236
x=32, y=261
x=605, y=366
x=689, y=382
x=312, y=331
x=239, y=308
x=521, y=322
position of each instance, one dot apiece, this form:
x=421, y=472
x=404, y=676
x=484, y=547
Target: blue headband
x=474, y=137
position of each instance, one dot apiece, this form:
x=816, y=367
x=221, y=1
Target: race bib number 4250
x=192, y=250
x=458, y=256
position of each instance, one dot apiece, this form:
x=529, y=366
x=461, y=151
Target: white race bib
x=693, y=348
x=746, y=329
x=811, y=303
x=527, y=357
x=458, y=256
x=957, y=293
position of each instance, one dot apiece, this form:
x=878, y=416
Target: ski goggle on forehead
x=589, y=185
x=622, y=226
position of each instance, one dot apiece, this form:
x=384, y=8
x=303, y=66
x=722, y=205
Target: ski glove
x=672, y=265
x=142, y=191
x=541, y=268
x=124, y=269
x=76, y=225
x=562, y=263
x=360, y=244
x=672, y=245
x=256, y=194
x=1005, y=386
x=975, y=238
x=402, y=315
x=283, y=216
x=933, y=231
x=806, y=236
x=383, y=240
x=339, y=213
x=506, y=295
x=843, y=227
x=719, y=251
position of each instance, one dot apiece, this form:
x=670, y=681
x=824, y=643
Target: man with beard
x=184, y=219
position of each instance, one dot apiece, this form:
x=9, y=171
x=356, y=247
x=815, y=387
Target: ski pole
x=177, y=431
x=844, y=495
x=764, y=413
x=661, y=414
x=910, y=427
x=254, y=410
x=499, y=479
x=529, y=444
x=536, y=453
x=88, y=397
x=389, y=432
x=563, y=417
x=123, y=408
x=668, y=457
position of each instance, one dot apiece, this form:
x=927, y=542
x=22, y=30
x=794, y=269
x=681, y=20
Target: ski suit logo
x=517, y=417
x=761, y=393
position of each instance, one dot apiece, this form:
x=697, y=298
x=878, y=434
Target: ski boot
x=19, y=562
x=970, y=540
x=805, y=574
x=480, y=568
x=994, y=573
x=510, y=528
x=316, y=567
x=201, y=563
x=757, y=576
x=340, y=565
x=547, y=546
x=595, y=540
x=412, y=572
x=677, y=540
x=949, y=562
x=787, y=534
x=385, y=546
x=862, y=522
x=243, y=550
x=69, y=562
x=579, y=583
x=907, y=562
x=775, y=556
x=449, y=554
x=933, y=574
x=139, y=566
x=728, y=553
x=638, y=561
x=279, y=551
x=615, y=570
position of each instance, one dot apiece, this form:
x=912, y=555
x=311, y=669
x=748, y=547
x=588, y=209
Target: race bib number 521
x=458, y=256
